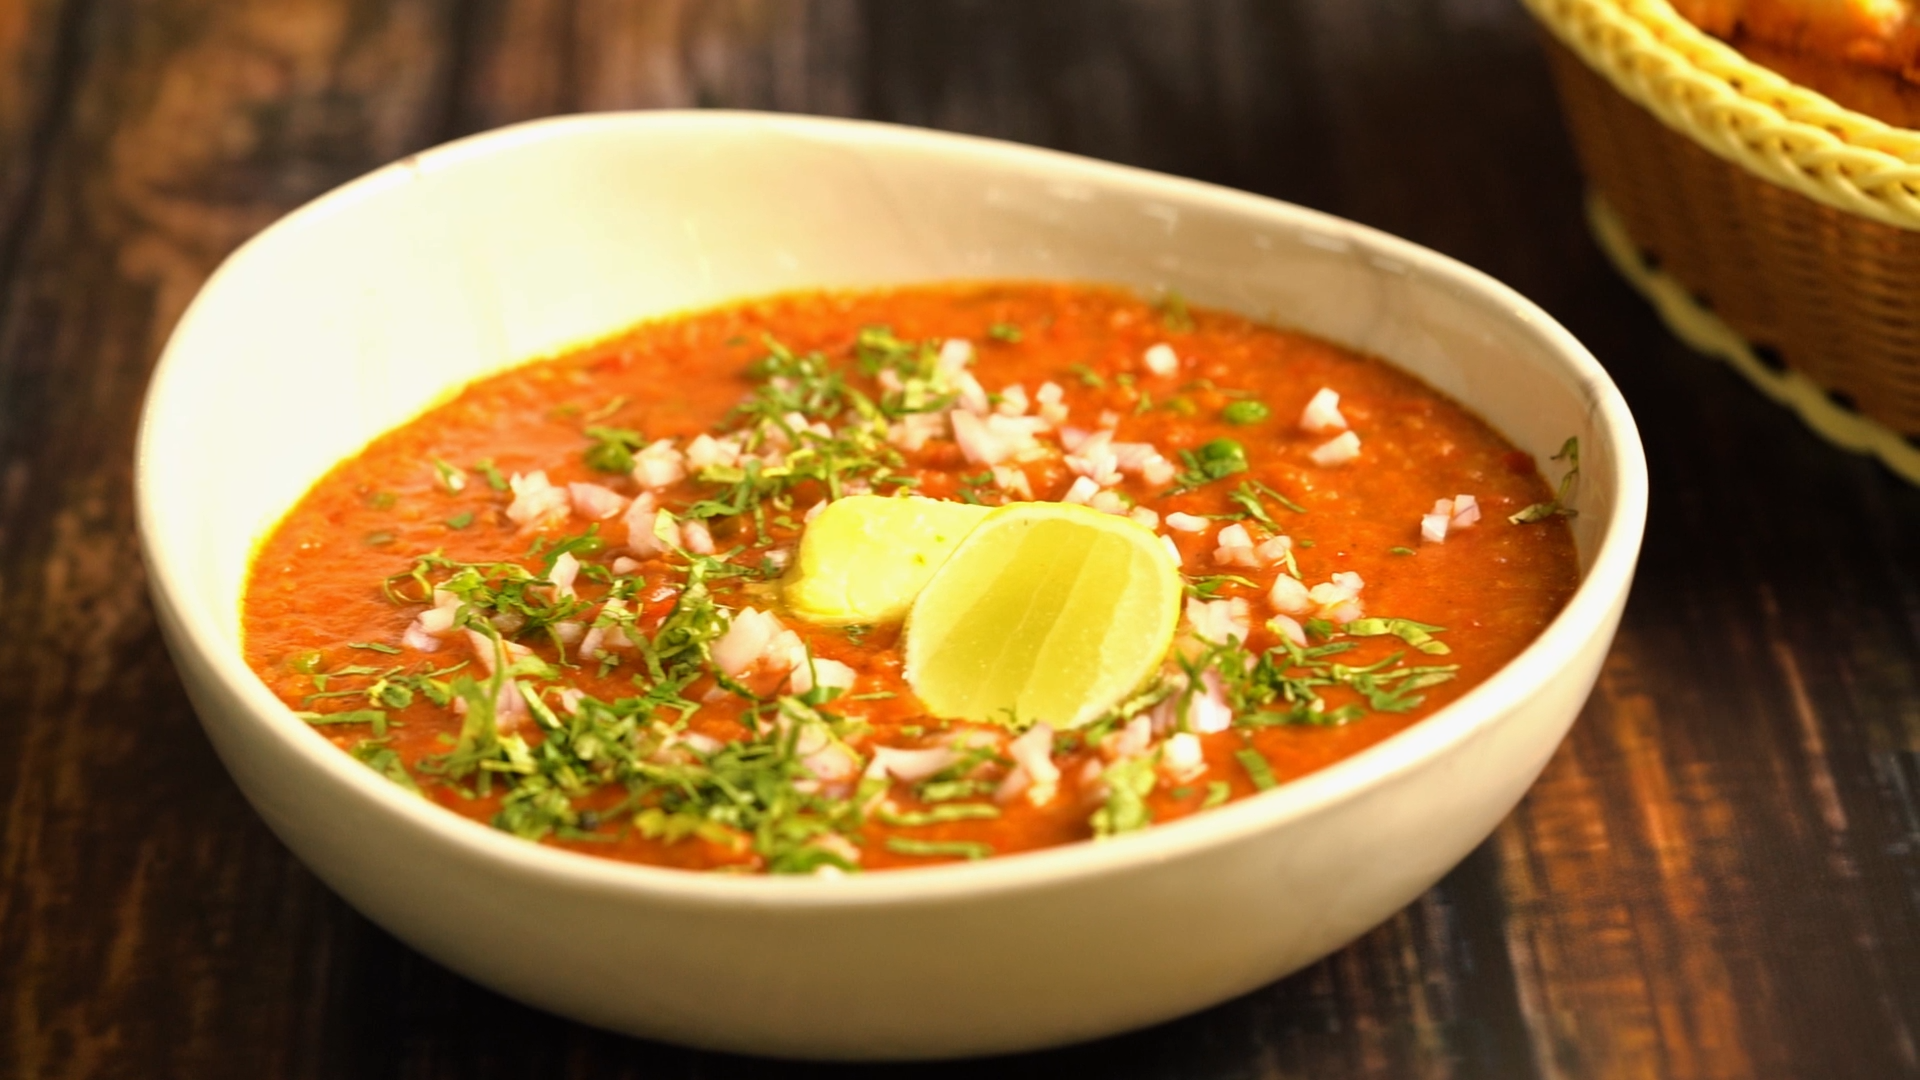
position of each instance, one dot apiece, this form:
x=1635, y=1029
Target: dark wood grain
x=1718, y=875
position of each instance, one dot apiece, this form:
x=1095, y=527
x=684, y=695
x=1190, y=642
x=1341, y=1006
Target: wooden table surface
x=1718, y=875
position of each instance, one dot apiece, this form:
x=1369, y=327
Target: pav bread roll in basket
x=1770, y=225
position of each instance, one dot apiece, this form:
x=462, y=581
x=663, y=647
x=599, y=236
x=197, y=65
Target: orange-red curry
x=408, y=606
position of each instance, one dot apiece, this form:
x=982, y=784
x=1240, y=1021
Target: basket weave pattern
x=1742, y=111
x=1796, y=221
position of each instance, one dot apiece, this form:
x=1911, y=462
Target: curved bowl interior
x=359, y=310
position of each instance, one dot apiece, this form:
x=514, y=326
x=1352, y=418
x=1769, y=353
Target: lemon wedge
x=866, y=557
x=1047, y=611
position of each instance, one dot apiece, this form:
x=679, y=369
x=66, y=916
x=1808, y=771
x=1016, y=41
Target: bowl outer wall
x=1021, y=952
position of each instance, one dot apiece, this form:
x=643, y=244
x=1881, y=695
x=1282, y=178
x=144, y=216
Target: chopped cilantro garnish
x=1560, y=504
x=954, y=849
x=1218, y=792
x=1247, y=497
x=1173, y=312
x=745, y=793
x=373, y=646
x=945, y=812
x=375, y=717
x=1128, y=784
x=923, y=385
x=375, y=754
x=452, y=477
x=1255, y=763
x=971, y=487
x=1400, y=550
x=612, y=449
x=656, y=824
x=1245, y=411
x=1418, y=635
x=492, y=475
x=1004, y=331
x=1283, y=685
x=1206, y=588
x=618, y=402
x=1088, y=377
x=749, y=787
x=382, y=500
x=1216, y=460
x=856, y=450
x=586, y=543
x=461, y=520
x=493, y=594
x=948, y=790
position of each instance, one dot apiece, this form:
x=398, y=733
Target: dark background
x=1717, y=876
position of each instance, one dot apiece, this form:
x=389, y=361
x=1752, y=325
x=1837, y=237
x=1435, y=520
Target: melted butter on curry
x=554, y=603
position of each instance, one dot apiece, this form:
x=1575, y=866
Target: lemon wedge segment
x=1046, y=611
x=866, y=557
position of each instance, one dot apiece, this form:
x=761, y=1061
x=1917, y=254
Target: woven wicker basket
x=1770, y=225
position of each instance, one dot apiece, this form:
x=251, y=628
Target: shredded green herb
x=954, y=849
x=618, y=402
x=934, y=791
x=1561, y=504
x=1418, y=635
x=452, y=477
x=377, y=718
x=1245, y=411
x=1255, y=763
x=1216, y=460
x=375, y=754
x=490, y=474
x=1283, y=685
x=373, y=646
x=1247, y=498
x=1128, y=782
x=945, y=812
x=492, y=594
x=1206, y=588
x=1173, y=312
x=612, y=449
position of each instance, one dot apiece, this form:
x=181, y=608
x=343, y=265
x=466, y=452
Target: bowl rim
x=1606, y=580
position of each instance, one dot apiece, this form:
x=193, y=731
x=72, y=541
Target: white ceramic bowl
x=356, y=311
